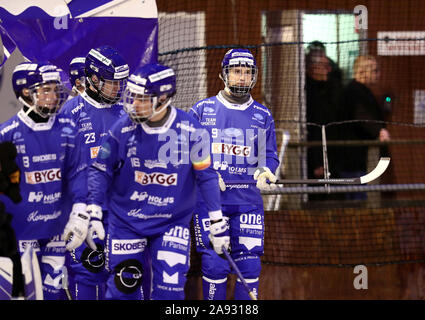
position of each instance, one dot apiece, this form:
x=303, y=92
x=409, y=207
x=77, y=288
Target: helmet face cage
x=111, y=91
x=239, y=71
x=111, y=72
x=44, y=81
x=144, y=89
x=139, y=107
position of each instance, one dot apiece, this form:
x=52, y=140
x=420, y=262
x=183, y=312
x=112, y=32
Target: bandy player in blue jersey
x=50, y=166
x=147, y=172
x=243, y=148
x=94, y=111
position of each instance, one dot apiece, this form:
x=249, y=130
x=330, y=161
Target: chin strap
x=228, y=96
x=26, y=104
x=95, y=94
x=160, y=106
x=37, y=111
x=31, y=112
x=92, y=94
x=76, y=91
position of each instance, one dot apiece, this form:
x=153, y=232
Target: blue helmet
x=239, y=58
x=111, y=73
x=46, y=89
x=154, y=83
x=76, y=72
x=20, y=76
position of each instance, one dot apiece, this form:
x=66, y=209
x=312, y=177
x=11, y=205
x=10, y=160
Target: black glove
x=9, y=172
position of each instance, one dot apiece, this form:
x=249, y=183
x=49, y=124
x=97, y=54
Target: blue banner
x=43, y=32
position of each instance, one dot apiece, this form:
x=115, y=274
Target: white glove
x=221, y=183
x=77, y=226
x=96, y=225
x=219, y=235
x=262, y=175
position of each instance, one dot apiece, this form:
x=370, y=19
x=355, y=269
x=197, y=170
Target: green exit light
x=388, y=99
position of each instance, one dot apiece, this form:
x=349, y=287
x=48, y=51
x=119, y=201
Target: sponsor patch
x=44, y=158
x=94, y=151
x=158, y=178
x=231, y=149
x=128, y=246
x=43, y=176
x=23, y=244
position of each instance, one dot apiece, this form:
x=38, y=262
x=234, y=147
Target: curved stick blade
x=377, y=172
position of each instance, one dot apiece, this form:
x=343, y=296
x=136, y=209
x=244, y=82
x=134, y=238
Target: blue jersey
x=153, y=173
x=243, y=139
x=51, y=171
x=93, y=120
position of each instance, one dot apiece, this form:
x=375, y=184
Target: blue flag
x=57, y=30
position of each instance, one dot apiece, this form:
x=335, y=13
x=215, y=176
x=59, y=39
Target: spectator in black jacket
x=359, y=103
x=322, y=95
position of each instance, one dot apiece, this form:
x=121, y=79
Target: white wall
x=9, y=105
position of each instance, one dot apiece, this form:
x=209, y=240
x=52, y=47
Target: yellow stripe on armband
x=201, y=165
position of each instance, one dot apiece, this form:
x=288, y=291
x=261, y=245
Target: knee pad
x=128, y=276
x=213, y=266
